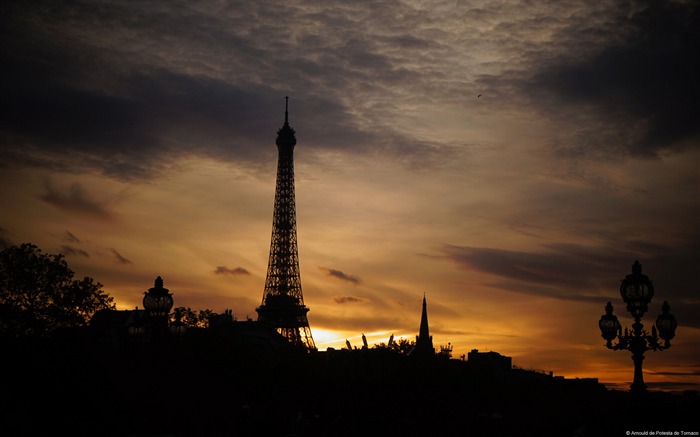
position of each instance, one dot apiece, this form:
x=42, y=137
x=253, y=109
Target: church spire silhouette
x=424, y=341
x=283, y=302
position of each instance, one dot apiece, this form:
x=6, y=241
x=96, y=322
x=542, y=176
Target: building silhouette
x=490, y=361
x=283, y=302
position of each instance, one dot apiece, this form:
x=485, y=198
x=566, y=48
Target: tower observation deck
x=283, y=302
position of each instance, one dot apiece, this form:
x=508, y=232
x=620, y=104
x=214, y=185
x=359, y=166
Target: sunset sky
x=508, y=159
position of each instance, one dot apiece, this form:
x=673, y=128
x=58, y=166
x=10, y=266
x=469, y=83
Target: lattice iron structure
x=283, y=302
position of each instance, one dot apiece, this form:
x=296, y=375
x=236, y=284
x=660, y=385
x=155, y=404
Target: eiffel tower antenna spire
x=283, y=302
x=286, y=110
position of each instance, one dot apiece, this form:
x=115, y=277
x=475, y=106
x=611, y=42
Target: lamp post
x=158, y=301
x=636, y=291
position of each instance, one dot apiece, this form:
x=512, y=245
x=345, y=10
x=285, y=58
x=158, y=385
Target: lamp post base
x=638, y=385
x=638, y=388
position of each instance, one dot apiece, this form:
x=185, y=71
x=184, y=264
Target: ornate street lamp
x=158, y=301
x=636, y=291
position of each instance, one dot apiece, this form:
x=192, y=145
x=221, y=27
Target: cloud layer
x=138, y=140
x=112, y=87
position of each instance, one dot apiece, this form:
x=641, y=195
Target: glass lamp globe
x=636, y=291
x=666, y=323
x=608, y=324
x=158, y=300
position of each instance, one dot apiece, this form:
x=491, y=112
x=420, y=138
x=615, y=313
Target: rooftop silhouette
x=155, y=371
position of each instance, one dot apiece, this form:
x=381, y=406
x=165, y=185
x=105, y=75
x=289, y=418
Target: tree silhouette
x=401, y=346
x=193, y=318
x=38, y=294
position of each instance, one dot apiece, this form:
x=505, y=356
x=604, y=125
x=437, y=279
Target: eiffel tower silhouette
x=283, y=302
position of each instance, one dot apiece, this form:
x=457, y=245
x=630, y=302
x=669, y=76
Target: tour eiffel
x=283, y=302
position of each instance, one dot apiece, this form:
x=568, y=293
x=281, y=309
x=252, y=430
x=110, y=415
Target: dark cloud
x=157, y=116
x=70, y=237
x=348, y=299
x=122, y=90
x=69, y=250
x=76, y=200
x=692, y=372
x=223, y=270
x=592, y=274
x=565, y=267
x=668, y=386
x=340, y=275
x=121, y=259
x=73, y=100
x=640, y=95
x=544, y=290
